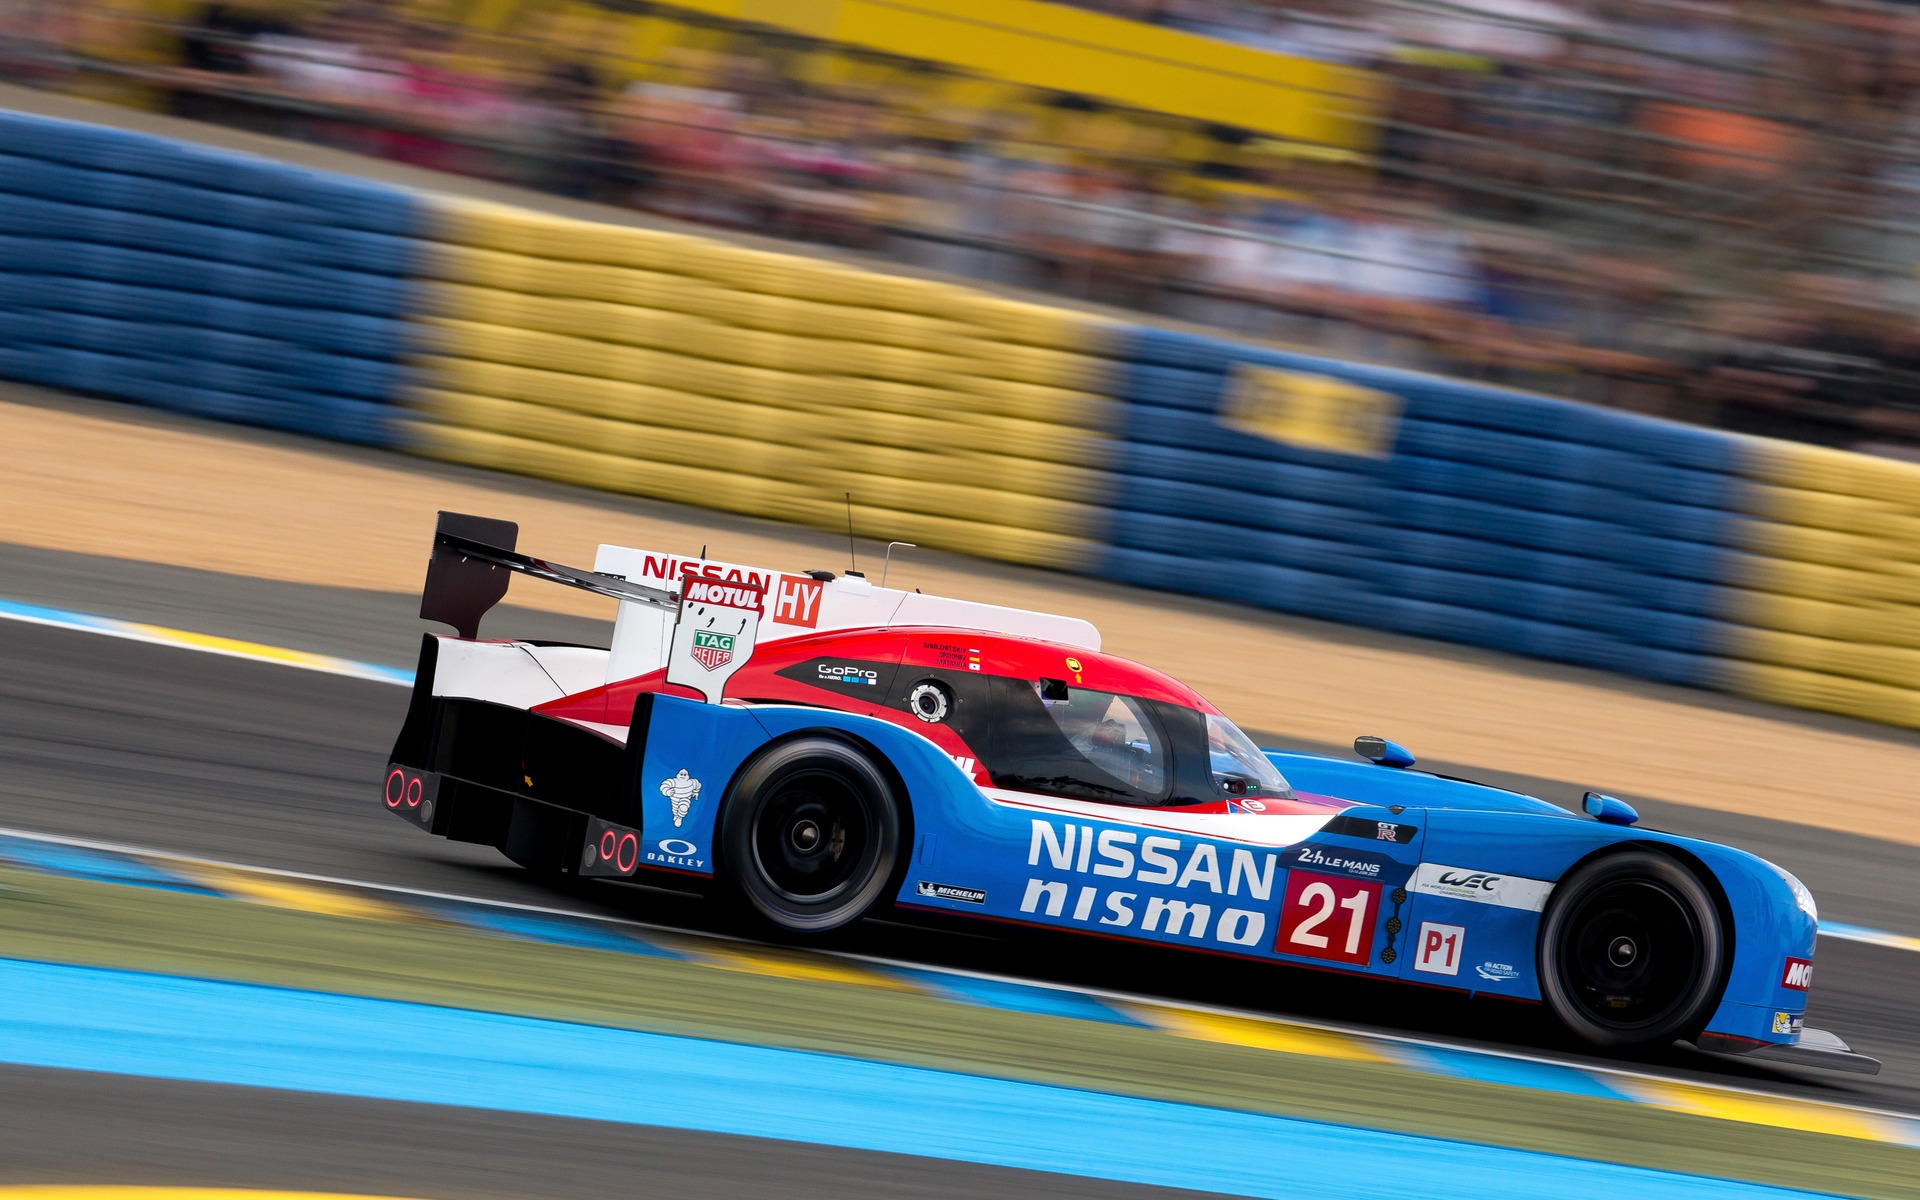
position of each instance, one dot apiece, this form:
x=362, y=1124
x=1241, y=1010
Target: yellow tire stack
x=1828, y=609
x=691, y=369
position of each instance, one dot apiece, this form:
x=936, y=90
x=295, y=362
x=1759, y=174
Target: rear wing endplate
x=474, y=559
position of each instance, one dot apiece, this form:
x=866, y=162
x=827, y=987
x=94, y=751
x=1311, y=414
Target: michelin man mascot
x=681, y=791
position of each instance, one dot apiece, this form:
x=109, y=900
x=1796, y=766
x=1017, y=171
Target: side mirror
x=1380, y=750
x=1608, y=809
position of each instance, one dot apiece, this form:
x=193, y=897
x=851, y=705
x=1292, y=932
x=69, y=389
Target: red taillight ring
x=394, y=794
x=629, y=853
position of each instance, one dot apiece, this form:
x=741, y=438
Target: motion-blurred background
x=1700, y=209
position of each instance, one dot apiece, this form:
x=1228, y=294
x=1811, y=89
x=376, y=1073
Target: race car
x=814, y=747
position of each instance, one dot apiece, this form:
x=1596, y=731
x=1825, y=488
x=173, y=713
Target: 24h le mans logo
x=712, y=650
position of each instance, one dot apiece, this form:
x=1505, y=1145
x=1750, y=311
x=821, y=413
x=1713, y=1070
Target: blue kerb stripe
x=57, y=616
x=89, y=1019
x=55, y=859
x=554, y=930
x=1018, y=997
x=1512, y=1072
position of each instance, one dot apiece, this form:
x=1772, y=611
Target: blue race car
x=819, y=748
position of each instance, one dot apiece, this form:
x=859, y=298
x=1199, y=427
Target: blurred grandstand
x=1703, y=209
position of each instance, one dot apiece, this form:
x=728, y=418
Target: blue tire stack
x=202, y=280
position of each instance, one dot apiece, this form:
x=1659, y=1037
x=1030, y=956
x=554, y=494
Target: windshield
x=1080, y=742
x=1239, y=768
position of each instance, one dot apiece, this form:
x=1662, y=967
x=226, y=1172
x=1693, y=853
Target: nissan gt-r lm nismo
x=817, y=747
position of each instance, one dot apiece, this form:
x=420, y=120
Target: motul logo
x=1798, y=975
x=728, y=595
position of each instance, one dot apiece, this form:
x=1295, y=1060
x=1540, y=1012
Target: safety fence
x=691, y=369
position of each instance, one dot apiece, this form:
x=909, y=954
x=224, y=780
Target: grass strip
x=75, y=921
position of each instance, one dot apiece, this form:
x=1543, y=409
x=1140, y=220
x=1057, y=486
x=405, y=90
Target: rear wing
x=473, y=560
x=715, y=624
x=802, y=603
x=738, y=605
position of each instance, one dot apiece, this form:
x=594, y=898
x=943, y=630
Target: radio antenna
x=852, y=566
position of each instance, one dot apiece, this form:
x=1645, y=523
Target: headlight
x=1801, y=896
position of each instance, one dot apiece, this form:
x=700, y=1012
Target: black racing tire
x=811, y=834
x=1632, y=951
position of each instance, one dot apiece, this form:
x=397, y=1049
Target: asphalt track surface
x=262, y=764
x=83, y=1128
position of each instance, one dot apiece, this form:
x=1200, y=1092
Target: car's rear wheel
x=1632, y=951
x=811, y=834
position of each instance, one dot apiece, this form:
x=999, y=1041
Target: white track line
x=1356, y=1031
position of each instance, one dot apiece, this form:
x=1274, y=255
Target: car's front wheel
x=1632, y=951
x=811, y=834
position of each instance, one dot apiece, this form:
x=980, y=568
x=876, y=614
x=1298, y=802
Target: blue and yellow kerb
x=367, y=902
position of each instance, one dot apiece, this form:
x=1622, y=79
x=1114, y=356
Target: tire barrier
x=203, y=281
x=1542, y=527
x=691, y=369
x=686, y=368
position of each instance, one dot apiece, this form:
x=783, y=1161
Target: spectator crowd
x=1708, y=209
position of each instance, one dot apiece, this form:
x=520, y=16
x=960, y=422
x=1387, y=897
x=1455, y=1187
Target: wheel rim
x=810, y=837
x=1634, y=954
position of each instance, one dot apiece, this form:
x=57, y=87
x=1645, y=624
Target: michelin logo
x=946, y=891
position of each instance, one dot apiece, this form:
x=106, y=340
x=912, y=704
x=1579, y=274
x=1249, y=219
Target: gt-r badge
x=681, y=791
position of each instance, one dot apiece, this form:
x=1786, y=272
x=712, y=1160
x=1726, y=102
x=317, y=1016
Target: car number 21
x=1324, y=916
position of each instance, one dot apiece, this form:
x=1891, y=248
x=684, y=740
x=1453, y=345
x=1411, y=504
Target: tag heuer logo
x=712, y=650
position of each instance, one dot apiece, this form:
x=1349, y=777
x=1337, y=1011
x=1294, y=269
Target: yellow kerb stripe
x=791, y=964
x=207, y=641
x=1758, y=1110
x=1259, y=1034
x=284, y=893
